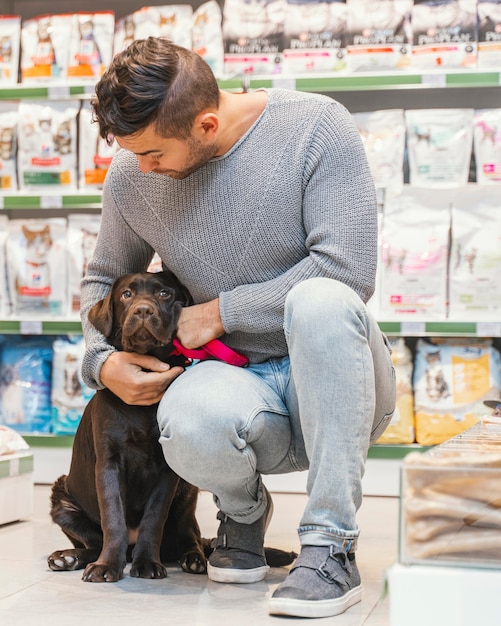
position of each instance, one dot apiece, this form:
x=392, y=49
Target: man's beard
x=199, y=154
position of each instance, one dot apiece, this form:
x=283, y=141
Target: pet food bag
x=207, y=36
x=487, y=145
x=10, y=45
x=25, y=383
x=95, y=155
x=4, y=293
x=82, y=236
x=440, y=143
x=489, y=34
x=315, y=36
x=8, y=146
x=47, y=145
x=36, y=266
x=475, y=259
x=452, y=377
x=91, y=45
x=69, y=394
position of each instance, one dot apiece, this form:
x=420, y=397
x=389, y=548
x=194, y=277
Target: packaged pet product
x=475, y=259
x=45, y=46
x=444, y=34
x=414, y=255
x=207, y=35
x=25, y=383
x=315, y=36
x=440, y=143
x=379, y=35
x=383, y=136
x=10, y=45
x=91, y=45
x=8, y=146
x=401, y=428
x=36, y=266
x=4, y=294
x=94, y=153
x=489, y=34
x=47, y=145
x=253, y=33
x=452, y=377
x=82, y=236
x=69, y=394
x=487, y=145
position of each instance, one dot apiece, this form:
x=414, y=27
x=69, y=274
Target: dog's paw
x=102, y=573
x=147, y=569
x=193, y=563
x=65, y=561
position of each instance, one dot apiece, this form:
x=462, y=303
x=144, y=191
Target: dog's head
x=141, y=311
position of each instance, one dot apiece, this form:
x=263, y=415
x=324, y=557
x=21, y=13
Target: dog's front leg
x=110, y=564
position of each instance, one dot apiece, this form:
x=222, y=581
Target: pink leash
x=214, y=349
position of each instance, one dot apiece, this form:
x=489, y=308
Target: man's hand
x=124, y=374
x=200, y=323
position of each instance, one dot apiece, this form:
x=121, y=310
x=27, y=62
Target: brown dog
x=120, y=501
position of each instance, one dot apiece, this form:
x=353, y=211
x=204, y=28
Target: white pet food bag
x=10, y=45
x=207, y=36
x=414, y=255
x=8, y=146
x=452, y=378
x=444, y=34
x=487, y=145
x=475, y=260
x=45, y=48
x=91, y=45
x=47, y=145
x=36, y=266
x=95, y=155
x=253, y=36
x=315, y=36
x=383, y=136
x=379, y=35
x=439, y=142
x=82, y=236
x=4, y=294
x=489, y=34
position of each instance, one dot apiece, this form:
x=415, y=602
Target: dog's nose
x=143, y=310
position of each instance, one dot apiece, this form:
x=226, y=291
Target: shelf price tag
x=51, y=202
x=412, y=328
x=59, y=91
x=30, y=327
x=434, y=80
x=488, y=329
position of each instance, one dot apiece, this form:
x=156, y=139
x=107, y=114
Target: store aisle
x=33, y=595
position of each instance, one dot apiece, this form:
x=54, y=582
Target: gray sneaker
x=239, y=555
x=324, y=581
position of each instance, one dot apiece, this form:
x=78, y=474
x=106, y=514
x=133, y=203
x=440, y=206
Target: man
x=263, y=206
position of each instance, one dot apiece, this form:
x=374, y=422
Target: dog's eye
x=126, y=294
x=164, y=293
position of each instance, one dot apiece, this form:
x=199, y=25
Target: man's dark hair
x=153, y=81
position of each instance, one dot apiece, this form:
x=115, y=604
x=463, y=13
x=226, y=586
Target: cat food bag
x=414, y=257
x=383, y=136
x=207, y=36
x=10, y=45
x=69, y=394
x=36, y=266
x=487, y=145
x=489, y=34
x=315, y=36
x=401, y=428
x=440, y=143
x=452, y=378
x=45, y=45
x=25, y=383
x=91, y=45
x=379, y=35
x=444, y=34
x=47, y=145
x=8, y=146
x=4, y=293
x=95, y=155
x=82, y=236
x=253, y=33
x=475, y=259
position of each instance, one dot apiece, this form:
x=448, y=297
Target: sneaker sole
x=315, y=608
x=228, y=575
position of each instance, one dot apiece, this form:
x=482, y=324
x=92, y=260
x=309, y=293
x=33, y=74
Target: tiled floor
x=33, y=595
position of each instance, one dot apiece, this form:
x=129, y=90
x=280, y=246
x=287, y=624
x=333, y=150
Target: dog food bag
x=69, y=394
x=315, y=36
x=95, y=155
x=45, y=48
x=8, y=146
x=25, y=383
x=253, y=33
x=91, y=45
x=383, y=136
x=36, y=266
x=4, y=293
x=487, y=145
x=475, y=259
x=379, y=35
x=207, y=36
x=440, y=143
x=82, y=236
x=10, y=45
x=444, y=34
x=47, y=145
x=414, y=257
x=401, y=428
x=489, y=34
x=451, y=379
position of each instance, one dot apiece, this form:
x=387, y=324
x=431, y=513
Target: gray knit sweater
x=292, y=199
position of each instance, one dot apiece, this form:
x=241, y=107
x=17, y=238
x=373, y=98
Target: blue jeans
x=319, y=408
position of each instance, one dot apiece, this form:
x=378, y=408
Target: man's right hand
x=137, y=378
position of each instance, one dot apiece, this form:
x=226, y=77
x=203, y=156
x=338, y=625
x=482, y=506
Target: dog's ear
x=101, y=315
x=182, y=294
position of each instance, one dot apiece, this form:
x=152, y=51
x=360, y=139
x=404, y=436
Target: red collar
x=214, y=349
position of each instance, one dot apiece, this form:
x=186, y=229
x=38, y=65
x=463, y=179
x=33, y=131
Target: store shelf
x=46, y=92
x=73, y=200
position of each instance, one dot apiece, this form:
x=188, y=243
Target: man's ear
x=207, y=123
